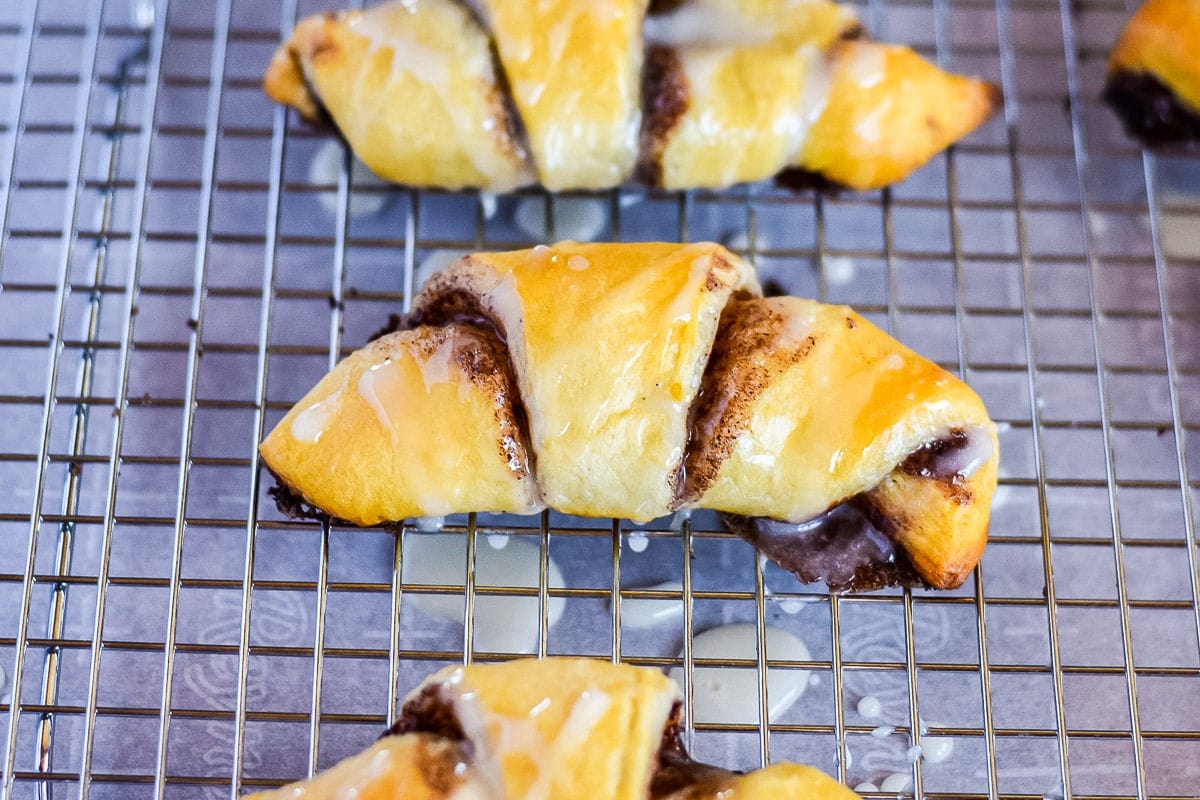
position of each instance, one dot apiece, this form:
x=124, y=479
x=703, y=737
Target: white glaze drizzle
x=730, y=694
x=366, y=388
x=432, y=66
x=436, y=368
x=936, y=749
x=426, y=64
x=967, y=460
x=817, y=84
x=870, y=127
x=681, y=308
x=640, y=613
x=796, y=326
x=865, y=64
x=309, y=424
x=501, y=623
x=506, y=736
x=694, y=24
x=895, y=783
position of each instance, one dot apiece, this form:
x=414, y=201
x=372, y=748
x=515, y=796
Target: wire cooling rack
x=181, y=260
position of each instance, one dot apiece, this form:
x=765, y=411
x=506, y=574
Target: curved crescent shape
x=634, y=380
x=586, y=94
x=551, y=729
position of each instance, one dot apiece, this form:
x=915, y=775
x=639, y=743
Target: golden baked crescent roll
x=648, y=378
x=1154, y=73
x=550, y=729
x=730, y=91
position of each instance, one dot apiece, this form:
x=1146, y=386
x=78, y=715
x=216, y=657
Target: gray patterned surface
x=164, y=298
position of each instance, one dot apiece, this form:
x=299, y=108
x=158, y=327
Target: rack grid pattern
x=180, y=260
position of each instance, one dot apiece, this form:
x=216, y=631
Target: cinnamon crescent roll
x=550, y=729
x=1154, y=73
x=587, y=94
x=631, y=380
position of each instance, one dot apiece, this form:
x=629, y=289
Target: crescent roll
x=587, y=94
x=550, y=729
x=632, y=380
x=1154, y=73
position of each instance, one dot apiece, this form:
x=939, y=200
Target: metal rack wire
x=174, y=274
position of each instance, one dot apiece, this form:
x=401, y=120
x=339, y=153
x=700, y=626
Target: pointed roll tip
x=890, y=111
x=284, y=81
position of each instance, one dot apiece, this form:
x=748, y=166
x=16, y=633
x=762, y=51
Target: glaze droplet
x=309, y=424
x=730, y=694
x=638, y=541
x=326, y=167
x=937, y=749
x=429, y=524
x=895, y=783
x=640, y=613
x=502, y=624
x=869, y=707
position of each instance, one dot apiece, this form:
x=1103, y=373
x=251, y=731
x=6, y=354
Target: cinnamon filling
x=1150, y=110
x=850, y=547
x=676, y=774
x=842, y=547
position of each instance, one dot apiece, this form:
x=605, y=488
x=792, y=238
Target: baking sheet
x=164, y=297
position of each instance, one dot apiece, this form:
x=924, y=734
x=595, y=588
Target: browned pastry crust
x=768, y=357
x=633, y=380
x=429, y=95
x=549, y=729
x=449, y=121
x=355, y=422
x=743, y=362
x=1154, y=75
